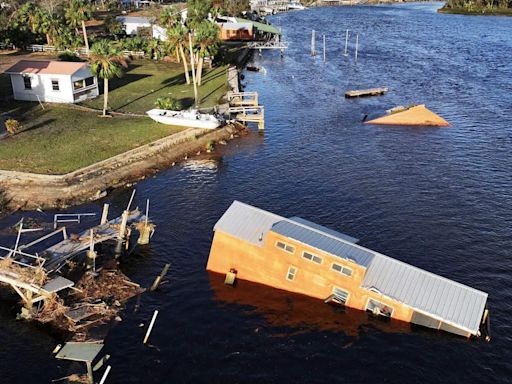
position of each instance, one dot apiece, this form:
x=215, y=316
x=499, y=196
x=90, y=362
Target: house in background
x=134, y=24
x=236, y=31
x=146, y=26
x=52, y=81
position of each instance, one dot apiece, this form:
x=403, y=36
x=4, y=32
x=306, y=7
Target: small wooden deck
x=244, y=107
x=366, y=92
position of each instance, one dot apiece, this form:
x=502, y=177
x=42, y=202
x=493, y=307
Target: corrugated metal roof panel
x=329, y=231
x=246, y=222
x=453, y=302
x=323, y=241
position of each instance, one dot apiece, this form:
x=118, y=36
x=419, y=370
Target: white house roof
x=46, y=67
x=236, y=26
x=135, y=20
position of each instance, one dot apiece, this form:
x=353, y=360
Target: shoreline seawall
x=26, y=191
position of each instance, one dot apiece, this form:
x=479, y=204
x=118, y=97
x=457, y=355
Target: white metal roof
x=451, y=302
x=247, y=222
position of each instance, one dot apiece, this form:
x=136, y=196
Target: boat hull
x=185, y=119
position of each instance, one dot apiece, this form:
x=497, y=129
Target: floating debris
x=415, y=116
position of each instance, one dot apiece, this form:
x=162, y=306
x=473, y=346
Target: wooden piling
x=155, y=314
x=346, y=43
x=159, y=278
x=313, y=40
x=104, y=215
x=324, y=46
x=104, y=377
x=357, y=47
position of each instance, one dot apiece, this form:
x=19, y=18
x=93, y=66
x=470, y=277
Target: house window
x=341, y=269
x=311, y=257
x=340, y=295
x=89, y=81
x=28, y=82
x=285, y=247
x=378, y=308
x=55, y=85
x=292, y=271
x=78, y=84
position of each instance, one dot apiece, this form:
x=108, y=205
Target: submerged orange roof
x=418, y=115
x=45, y=67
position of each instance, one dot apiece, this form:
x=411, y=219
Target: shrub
x=12, y=126
x=69, y=56
x=170, y=103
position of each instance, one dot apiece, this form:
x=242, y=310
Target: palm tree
x=168, y=19
x=29, y=15
x=107, y=62
x=207, y=36
x=76, y=14
x=178, y=36
x=50, y=24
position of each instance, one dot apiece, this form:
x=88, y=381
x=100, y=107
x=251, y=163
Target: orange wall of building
x=269, y=265
x=236, y=35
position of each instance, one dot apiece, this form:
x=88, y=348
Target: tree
x=107, y=62
x=76, y=14
x=207, y=37
x=50, y=24
x=113, y=26
x=198, y=11
x=169, y=18
x=177, y=36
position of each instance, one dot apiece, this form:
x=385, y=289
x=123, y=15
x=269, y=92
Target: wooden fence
x=78, y=51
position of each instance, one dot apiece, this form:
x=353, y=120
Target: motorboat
x=191, y=118
x=296, y=5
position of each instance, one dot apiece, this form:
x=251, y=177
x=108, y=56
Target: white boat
x=296, y=5
x=191, y=118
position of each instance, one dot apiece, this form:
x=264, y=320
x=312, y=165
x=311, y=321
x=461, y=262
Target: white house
x=52, y=81
x=132, y=24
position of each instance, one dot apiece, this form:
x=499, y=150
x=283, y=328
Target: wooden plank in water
x=366, y=92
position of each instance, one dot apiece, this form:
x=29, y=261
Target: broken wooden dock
x=366, y=92
x=35, y=276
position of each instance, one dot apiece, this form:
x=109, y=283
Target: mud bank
x=27, y=191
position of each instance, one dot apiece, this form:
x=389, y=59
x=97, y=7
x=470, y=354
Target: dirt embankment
x=29, y=191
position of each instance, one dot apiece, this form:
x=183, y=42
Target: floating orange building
x=306, y=258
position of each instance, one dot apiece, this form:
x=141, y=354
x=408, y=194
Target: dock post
x=145, y=232
x=313, y=52
x=104, y=215
x=90, y=377
x=346, y=43
x=324, y=47
x=357, y=47
x=260, y=52
x=91, y=254
x=122, y=233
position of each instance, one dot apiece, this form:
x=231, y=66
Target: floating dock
x=366, y=92
x=297, y=255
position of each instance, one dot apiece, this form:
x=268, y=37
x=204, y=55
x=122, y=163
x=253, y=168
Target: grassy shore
x=145, y=81
x=58, y=139
x=478, y=11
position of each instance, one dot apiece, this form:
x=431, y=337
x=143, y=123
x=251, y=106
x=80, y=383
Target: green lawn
x=60, y=140
x=145, y=81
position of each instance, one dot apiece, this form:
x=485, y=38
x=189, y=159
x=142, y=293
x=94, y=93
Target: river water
x=438, y=198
